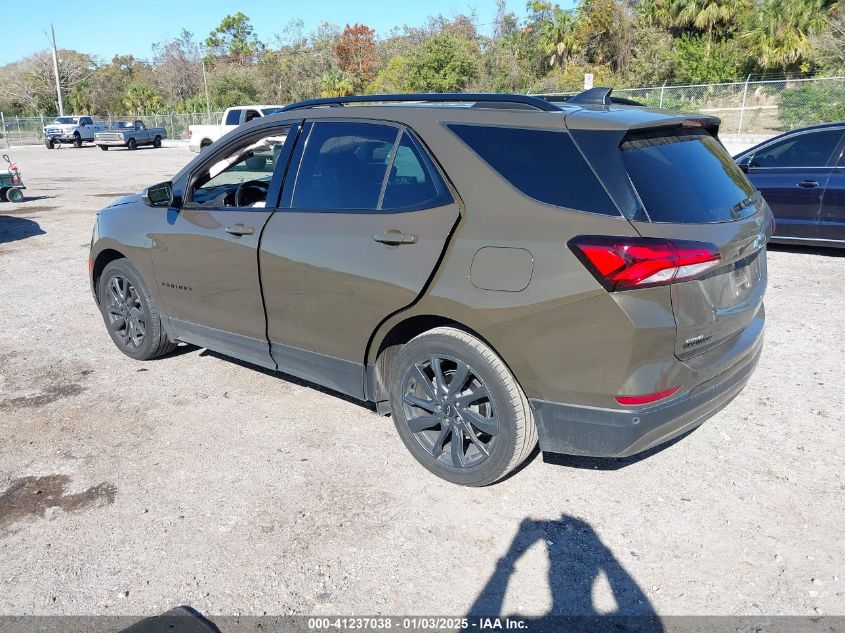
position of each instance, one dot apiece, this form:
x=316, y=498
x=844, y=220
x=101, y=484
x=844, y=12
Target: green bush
x=812, y=103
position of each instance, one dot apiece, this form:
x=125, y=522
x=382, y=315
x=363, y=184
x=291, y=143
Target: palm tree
x=558, y=35
x=780, y=31
x=659, y=13
x=705, y=15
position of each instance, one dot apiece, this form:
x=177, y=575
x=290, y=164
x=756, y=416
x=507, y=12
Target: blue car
x=801, y=174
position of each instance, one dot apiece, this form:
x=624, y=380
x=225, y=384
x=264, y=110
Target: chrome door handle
x=394, y=238
x=808, y=184
x=240, y=229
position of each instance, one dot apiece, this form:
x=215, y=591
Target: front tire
x=105, y=148
x=458, y=408
x=49, y=143
x=14, y=195
x=77, y=140
x=130, y=312
x=131, y=144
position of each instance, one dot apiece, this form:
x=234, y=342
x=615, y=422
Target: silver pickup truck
x=130, y=135
x=71, y=129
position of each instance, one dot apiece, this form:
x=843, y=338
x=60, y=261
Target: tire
x=204, y=143
x=49, y=143
x=157, y=142
x=2, y=195
x=499, y=418
x=105, y=148
x=77, y=140
x=14, y=195
x=117, y=278
x=131, y=144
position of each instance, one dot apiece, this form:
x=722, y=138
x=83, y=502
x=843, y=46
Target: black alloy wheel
x=125, y=312
x=450, y=411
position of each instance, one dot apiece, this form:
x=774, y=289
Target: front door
x=365, y=217
x=791, y=173
x=206, y=261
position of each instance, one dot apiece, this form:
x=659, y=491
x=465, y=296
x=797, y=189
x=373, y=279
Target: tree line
x=548, y=49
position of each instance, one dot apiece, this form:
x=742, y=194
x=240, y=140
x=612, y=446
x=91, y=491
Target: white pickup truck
x=71, y=129
x=201, y=136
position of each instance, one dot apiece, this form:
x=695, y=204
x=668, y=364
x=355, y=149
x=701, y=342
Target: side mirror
x=160, y=195
x=744, y=163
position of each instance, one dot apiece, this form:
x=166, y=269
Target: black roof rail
x=593, y=96
x=496, y=100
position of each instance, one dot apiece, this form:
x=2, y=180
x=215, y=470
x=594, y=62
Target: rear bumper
x=597, y=432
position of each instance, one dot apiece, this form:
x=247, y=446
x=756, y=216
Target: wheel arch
x=103, y=259
x=383, y=351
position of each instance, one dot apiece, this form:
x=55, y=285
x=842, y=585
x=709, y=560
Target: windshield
x=121, y=125
x=66, y=120
x=685, y=175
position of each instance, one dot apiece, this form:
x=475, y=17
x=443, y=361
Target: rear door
x=690, y=189
x=365, y=218
x=792, y=173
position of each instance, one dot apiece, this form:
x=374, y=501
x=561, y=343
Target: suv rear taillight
x=624, y=263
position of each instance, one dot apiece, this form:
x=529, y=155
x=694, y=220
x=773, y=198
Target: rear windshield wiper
x=742, y=204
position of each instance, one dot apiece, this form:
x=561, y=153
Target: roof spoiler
x=599, y=95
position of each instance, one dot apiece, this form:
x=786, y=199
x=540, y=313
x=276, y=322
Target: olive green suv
x=491, y=270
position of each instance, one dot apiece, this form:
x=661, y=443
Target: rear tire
x=130, y=313
x=14, y=195
x=105, y=148
x=157, y=142
x=471, y=432
x=2, y=195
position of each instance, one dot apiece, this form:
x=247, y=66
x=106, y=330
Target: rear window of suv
x=543, y=164
x=684, y=175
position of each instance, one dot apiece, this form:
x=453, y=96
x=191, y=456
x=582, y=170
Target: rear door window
x=808, y=149
x=685, y=175
x=234, y=117
x=343, y=166
x=543, y=164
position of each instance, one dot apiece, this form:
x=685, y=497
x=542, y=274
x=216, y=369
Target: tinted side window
x=413, y=182
x=233, y=118
x=811, y=149
x=542, y=164
x=343, y=166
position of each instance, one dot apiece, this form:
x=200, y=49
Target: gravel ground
x=129, y=488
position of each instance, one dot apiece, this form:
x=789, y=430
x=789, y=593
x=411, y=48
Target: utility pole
x=207, y=100
x=56, y=72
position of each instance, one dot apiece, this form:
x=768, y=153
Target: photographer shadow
x=577, y=559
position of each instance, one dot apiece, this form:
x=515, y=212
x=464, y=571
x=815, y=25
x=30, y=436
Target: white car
x=201, y=136
x=71, y=129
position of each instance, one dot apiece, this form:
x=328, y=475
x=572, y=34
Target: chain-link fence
x=16, y=130
x=753, y=107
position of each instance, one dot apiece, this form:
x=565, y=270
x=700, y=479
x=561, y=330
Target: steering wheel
x=261, y=186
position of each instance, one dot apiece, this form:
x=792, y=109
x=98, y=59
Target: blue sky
x=105, y=28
